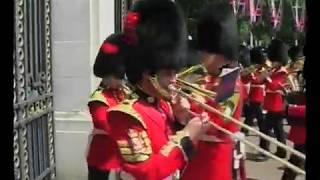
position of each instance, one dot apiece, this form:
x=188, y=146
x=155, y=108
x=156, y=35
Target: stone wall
x=78, y=29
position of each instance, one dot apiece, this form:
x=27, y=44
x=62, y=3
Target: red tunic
x=246, y=81
x=257, y=88
x=274, y=100
x=103, y=153
x=142, y=133
x=297, y=133
x=213, y=160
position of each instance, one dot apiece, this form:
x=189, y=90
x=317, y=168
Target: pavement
x=267, y=170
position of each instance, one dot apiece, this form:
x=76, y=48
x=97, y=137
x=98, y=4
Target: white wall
x=71, y=54
x=71, y=140
x=101, y=26
x=78, y=29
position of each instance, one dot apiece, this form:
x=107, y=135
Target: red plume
x=109, y=48
x=131, y=22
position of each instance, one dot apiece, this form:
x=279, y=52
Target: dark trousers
x=288, y=173
x=96, y=174
x=245, y=112
x=273, y=121
x=255, y=111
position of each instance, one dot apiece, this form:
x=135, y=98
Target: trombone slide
x=262, y=135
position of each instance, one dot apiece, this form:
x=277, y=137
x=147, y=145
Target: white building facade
x=79, y=27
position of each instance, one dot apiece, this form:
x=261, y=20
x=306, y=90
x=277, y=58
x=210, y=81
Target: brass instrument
x=197, y=69
x=267, y=67
x=268, y=64
x=196, y=89
x=243, y=125
x=182, y=84
x=248, y=70
x=294, y=68
x=127, y=88
x=189, y=78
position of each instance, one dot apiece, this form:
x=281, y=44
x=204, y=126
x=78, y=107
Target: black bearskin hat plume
x=258, y=56
x=278, y=52
x=111, y=58
x=295, y=53
x=158, y=38
x=244, y=56
x=217, y=31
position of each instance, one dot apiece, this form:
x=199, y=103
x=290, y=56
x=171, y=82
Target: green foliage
x=244, y=27
x=262, y=30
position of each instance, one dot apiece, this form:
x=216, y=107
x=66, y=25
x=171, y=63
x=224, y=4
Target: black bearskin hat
x=111, y=57
x=278, y=52
x=295, y=52
x=258, y=56
x=244, y=56
x=157, y=33
x=264, y=50
x=193, y=56
x=217, y=31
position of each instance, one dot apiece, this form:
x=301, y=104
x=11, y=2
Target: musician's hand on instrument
x=198, y=97
x=197, y=127
x=239, y=136
x=181, y=108
x=286, y=85
x=264, y=75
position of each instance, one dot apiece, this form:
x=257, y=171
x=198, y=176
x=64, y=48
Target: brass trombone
x=213, y=110
x=198, y=69
x=210, y=94
x=299, y=154
x=196, y=89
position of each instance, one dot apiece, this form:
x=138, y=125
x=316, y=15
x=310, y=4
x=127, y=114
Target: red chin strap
x=152, y=87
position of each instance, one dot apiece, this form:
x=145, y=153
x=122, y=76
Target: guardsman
x=102, y=155
x=142, y=125
x=274, y=102
x=295, y=67
x=218, y=40
x=245, y=64
x=296, y=115
x=257, y=92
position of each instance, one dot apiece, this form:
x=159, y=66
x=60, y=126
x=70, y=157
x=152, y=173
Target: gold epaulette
x=126, y=107
x=97, y=95
x=138, y=147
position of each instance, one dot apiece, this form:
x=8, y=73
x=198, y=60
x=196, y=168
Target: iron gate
x=33, y=130
x=121, y=7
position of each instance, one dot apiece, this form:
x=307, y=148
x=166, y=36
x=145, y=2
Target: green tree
x=287, y=31
x=262, y=30
x=244, y=27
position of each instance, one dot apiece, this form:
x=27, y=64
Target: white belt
x=258, y=85
x=241, y=154
x=94, y=132
x=114, y=174
x=127, y=176
x=247, y=86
